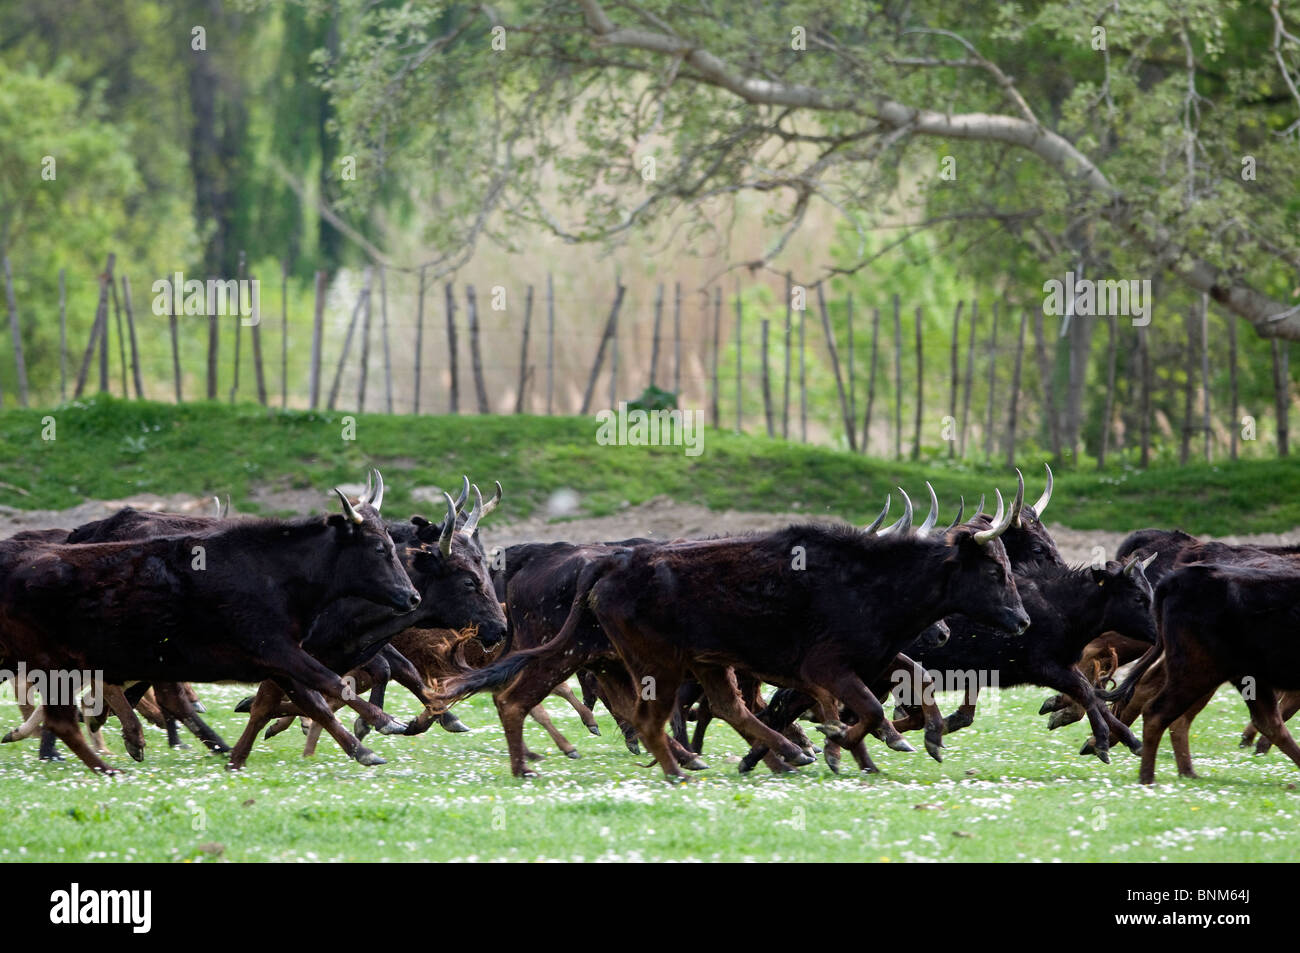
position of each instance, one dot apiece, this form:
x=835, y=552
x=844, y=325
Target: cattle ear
x=337, y=520
x=419, y=521
x=1099, y=576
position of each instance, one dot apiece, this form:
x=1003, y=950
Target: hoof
x=695, y=764
x=634, y=746
x=900, y=745
x=305, y=725
x=1062, y=718
x=594, y=729
x=221, y=748
x=393, y=727
x=935, y=751
x=9, y=736
x=573, y=754
x=1247, y=739
x=529, y=773
x=360, y=727
x=833, y=730
x=245, y=706
x=800, y=759
x=1103, y=755
x=1050, y=705
x=675, y=778
x=1189, y=773
x=53, y=756
x=199, y=707
x=534, y=756
x=833, y=762
x=135, y=751
x=180, y=746
x=1089, y=747
x=451, y=723
x=109, y=771
x=368, y=758
x=1264, y=746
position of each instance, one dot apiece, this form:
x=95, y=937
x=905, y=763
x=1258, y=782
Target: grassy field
x=1007, y=790
x=107, y=449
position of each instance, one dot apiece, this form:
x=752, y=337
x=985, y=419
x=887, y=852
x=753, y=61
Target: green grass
x=106, y=448
x=1007, y=790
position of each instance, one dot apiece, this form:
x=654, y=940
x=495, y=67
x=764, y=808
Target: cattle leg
x=1264, y=712
x=62, y=720
x=920, y=684
x=175, y=704
x=525, y=693
x=719, y=684
x=313, y=736
x=119, y=703
x=1168, y=705
x=378, y=670
x=313, y=704
x=281, y=724
x=543, y=718
x=871, y=714
x=1072, y=682
x=310, y=675
x=1180, y=737
x=32, y=723
x=585, y=714
x=261, y=711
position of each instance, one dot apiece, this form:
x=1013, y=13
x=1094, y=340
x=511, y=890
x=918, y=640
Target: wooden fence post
x=850, y=425
x=259, y=372
x=610, y=325
x=613, y=365
x=121, y=340
x=419, y=340
x=239, y=324
x=785, y=381
x=176, y=350
x=1234, y=424
x=1282, y=394
x=523, y=351
x=852, y=417
x=955, y=376
x=920, y=391
x=803, y=373
x=767, y=385
x=1049, y=389
x=1013, y=415
x=20, y=365
x=103, y=336
x=317, y=334
x=284, y=334
x=130, y=330
x=550, y=344
x=677, y=339
x=475, y=357
x=451, y=349
x=970, y=376
x=383, y=322
x=97, y=327
x=365, y=344
x=654, y=341
x=993, y=378
x=1112, y=351
x=717, y=346
x=740, y=403
x=871, y=379
x=63, y=337
x=1205, y=371
x=898, y=382
x=1144, y=359
x=347, y=347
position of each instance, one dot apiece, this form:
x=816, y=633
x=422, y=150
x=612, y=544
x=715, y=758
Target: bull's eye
x=379, y=548
x=469, y=583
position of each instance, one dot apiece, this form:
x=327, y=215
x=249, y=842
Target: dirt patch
x=659, y=518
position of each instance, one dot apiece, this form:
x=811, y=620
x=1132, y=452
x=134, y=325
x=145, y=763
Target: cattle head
x=448, y=566
x=1028, y=544
x=1126, y=597
x=934, y=636
x=978, y=580
x=368, y=566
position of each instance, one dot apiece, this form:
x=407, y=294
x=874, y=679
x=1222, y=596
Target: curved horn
x=217, y=500
x=370, y=485
x=904, y=523
x=1148, y=561
x=377, y=498
x=448, y=526
x=348, y=511
x=1047, y=494
x=979, y=510
x=1018, y=503
x=226, y=509
x=1131, y=565
x=961, y=508
x=493, y=503
x=875, y=523
x=1001, y=521
x=933, y=516
x=475, y=514
x=464, y=492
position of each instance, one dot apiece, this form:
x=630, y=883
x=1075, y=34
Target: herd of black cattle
x=318, y=610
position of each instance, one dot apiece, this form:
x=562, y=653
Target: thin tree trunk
x=654, y=341
x=523, y=351
x=121, y=340
x=1205, y=372
x=1282, y=394
x=954, y=376
x=852, y=418
x=871, y=379
x=740, y=403
x=176, y=354
x=970, y=376
x=850, y=425
x=767, y=385
x=1189, y=388
x=610, y=325
x=1049, y=391
x=898, y=382
x=677, y=339
x=63, y=337
x=1012, y=414
x=454, y=398
x=130, y=330
x=388, y=353
x=717, y=346
x=259, y=371
x=364, y=377
x=1112, y=351
x=803, y=377
x=419, y=342
x=550, y=344
x=475, y=356
x=920, y=390
x=96, y=328
x=993, y=380
x=347, y=347
x=317, y=335
x=789, y=342
x=1144, y=359
x=1234, y=423
x=284, y=334
x=20, y=365
x=613, y=366
x=103, y=336
x=239, y=324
